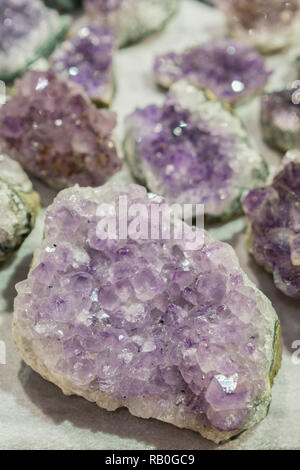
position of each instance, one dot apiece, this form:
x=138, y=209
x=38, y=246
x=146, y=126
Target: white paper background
x=34, y=414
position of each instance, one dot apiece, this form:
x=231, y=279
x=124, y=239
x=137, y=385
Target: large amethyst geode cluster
x=131, y=20
x=273, y=214
x=177, y=334
x=87, y=59
x=27, y=31
x=193, y=150
x=267, y=25
x=233, y=72
x=50, y=126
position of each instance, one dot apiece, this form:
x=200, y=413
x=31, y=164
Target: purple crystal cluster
x=274, y=219
x=280, y=119
x=103, y=6
x=87, y=59
x=233, y=72
x=50, y=126
x=144, y=318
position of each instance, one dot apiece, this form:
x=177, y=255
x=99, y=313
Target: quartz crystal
x=280, y=119
x=170, y=332
x=87, y=59
x=267, y=25
x=233, y=72
x=28, y=30
x=50, y=126
x=19, y=205
x=193, y=150
x=273, y=214
x=131, y=20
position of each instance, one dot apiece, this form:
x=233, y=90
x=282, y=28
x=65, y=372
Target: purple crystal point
x=50, y=126
x=193, y=150
x=280, y=119
x=233, y=72
x=274, y=220
x=87, y=59
x=266, y=25
x=117, y=322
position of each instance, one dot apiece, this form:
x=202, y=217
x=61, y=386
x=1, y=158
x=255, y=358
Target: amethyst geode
x=233, y=72
x=267, y=25
x=280, y=119
x=170, y=332
x=131, y=20
x=50, y=126
x=193, y=150
x=87, y=59
x=28, y=30
x=273, y=215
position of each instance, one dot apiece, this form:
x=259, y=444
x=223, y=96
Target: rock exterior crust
x=193, y=150
x=23, y=42
x=19, y=206
x=267, y=25
x=52, y=128
x=131, y=20
x=87, y=59
x=274, y=226
x=280, y=119
x=170, y=332
x=233, y=72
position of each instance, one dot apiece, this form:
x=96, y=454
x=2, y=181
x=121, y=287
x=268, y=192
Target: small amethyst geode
x=273, y=215
x=233, y=72
x=53, y=130
x=193, y=150
x=87, y=59
x=170, y=332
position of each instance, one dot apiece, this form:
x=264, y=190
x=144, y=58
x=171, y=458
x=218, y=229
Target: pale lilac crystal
x=50, y=126
x=233, y=72
x=137, y=317
x=273, y=213
x=87, y=59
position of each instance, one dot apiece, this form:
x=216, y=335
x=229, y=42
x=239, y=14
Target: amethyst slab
x=233, y=72
x=193, y=150
x=172, y=333
x=87, y=59
x=273, y=214
x=28, y=30
x=52, y=129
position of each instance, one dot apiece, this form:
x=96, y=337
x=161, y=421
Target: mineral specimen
x=170, y=332
x=87, y=59
x=28, y=30
x=273, y=214
x=280, y=119
x=19, y=205
x=267, y=25
x=131, y=20
x=193, y=150
x=50, y=126
x=233, y=72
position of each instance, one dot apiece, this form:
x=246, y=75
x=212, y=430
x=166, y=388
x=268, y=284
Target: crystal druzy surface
x=233, y=72
x=120, y=321
x=27, y=31
x=274, y=219
x=268, y=25
x=280, y=119
x=131, y=20
x=51, y=127
x=193, y=150
x=87, y=59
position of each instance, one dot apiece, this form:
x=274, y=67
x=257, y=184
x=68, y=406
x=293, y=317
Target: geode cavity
x=193, y=150
x=273, y=214
x=170, y=332
x=51, y=127
x=233, y=72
